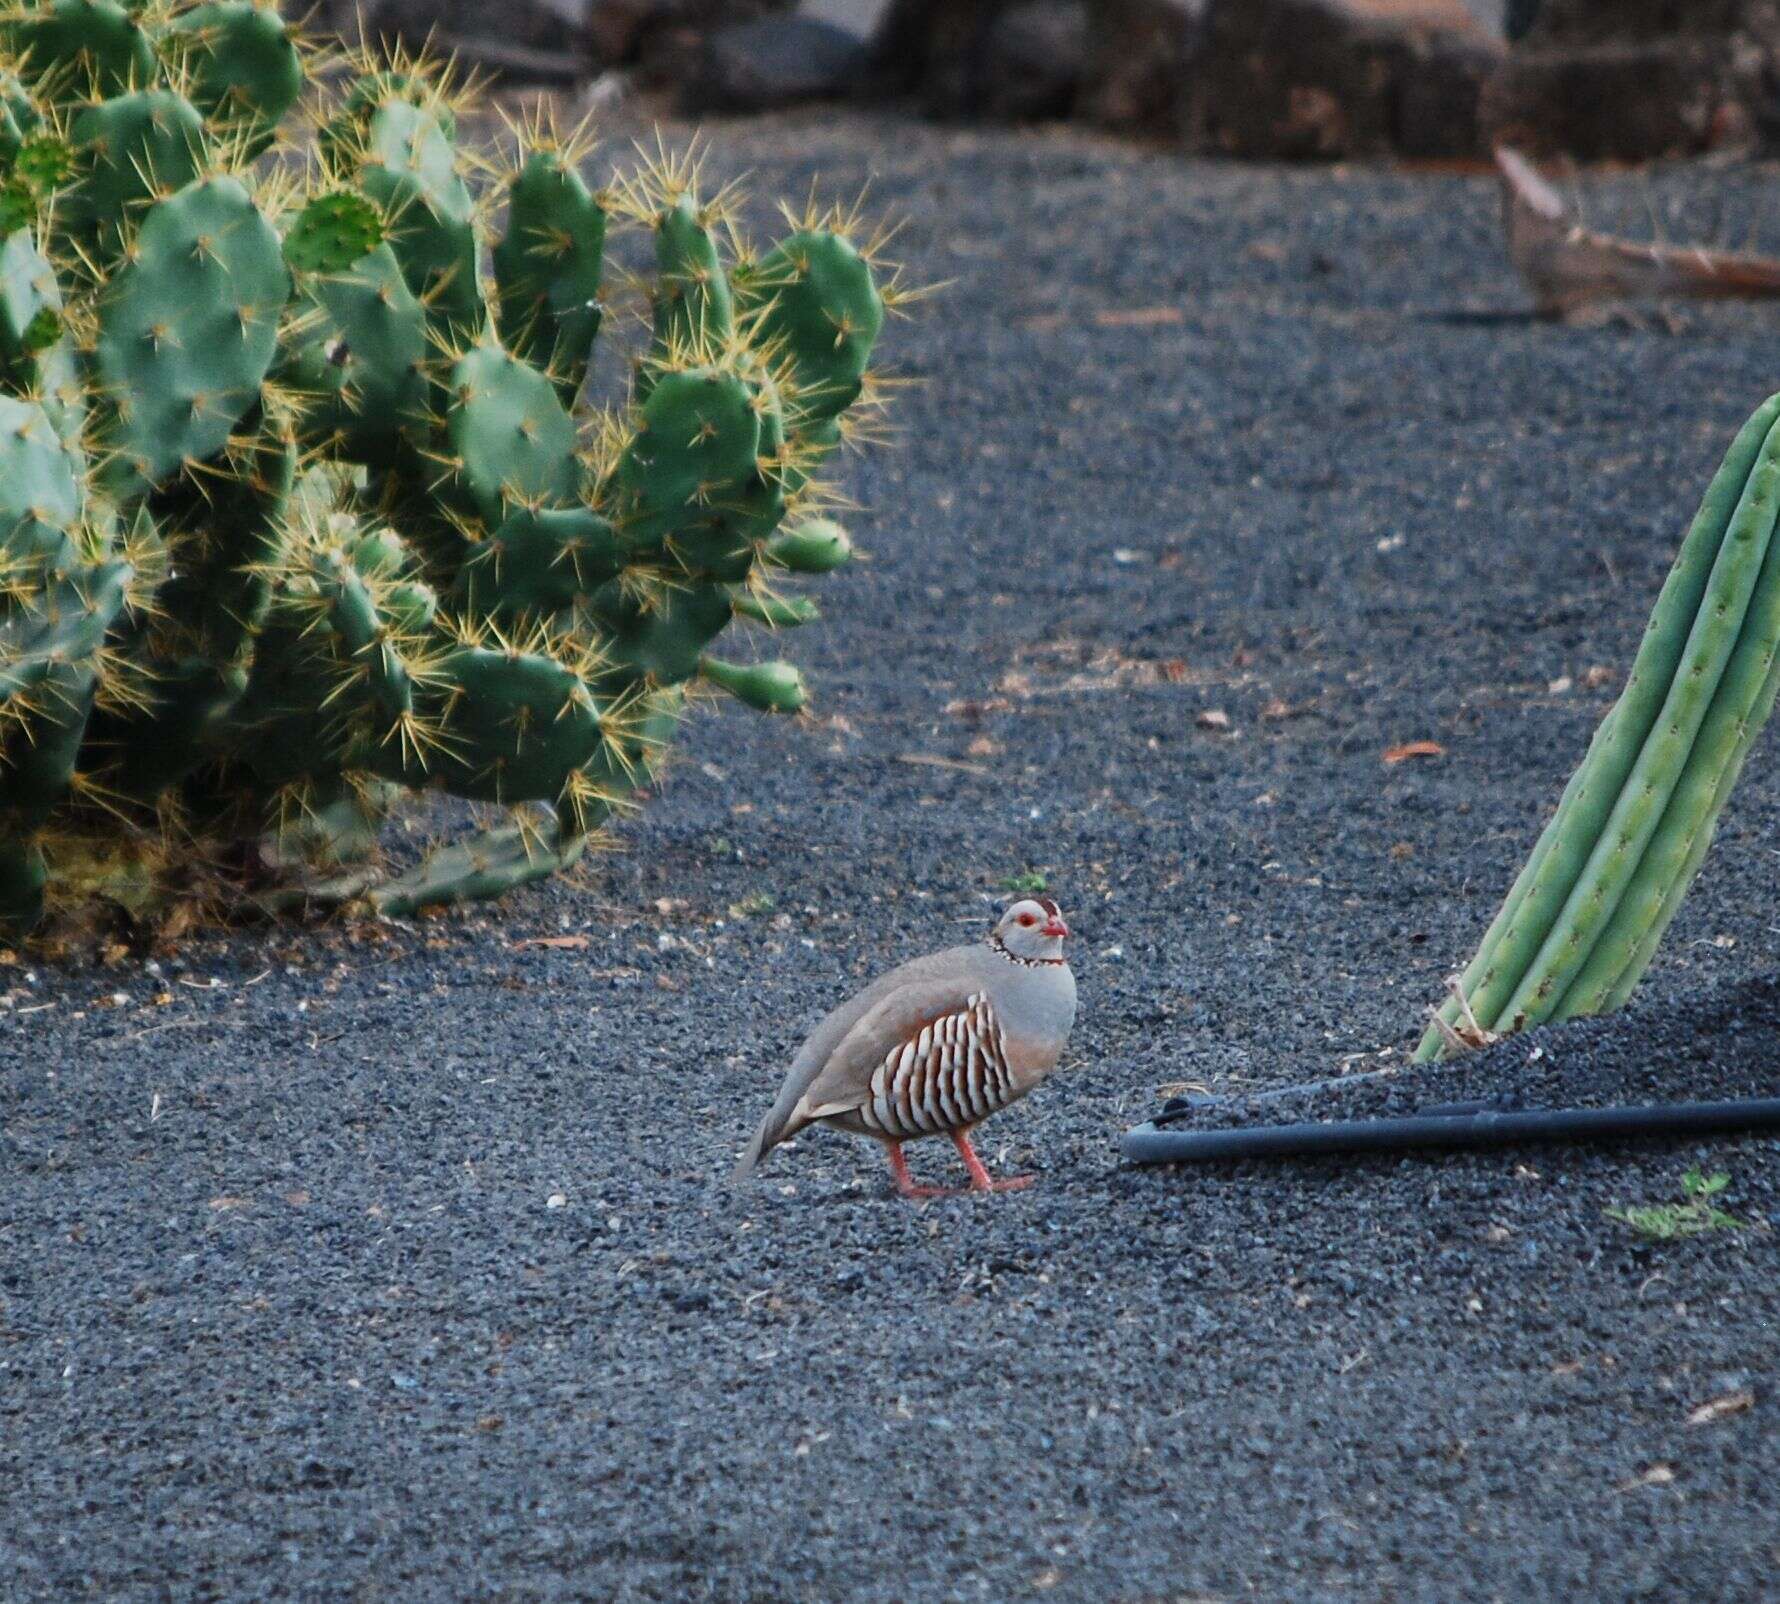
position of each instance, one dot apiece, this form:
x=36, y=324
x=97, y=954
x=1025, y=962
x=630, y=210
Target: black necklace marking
x=996, y=944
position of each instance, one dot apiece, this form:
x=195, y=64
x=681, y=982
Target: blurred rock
x=1336, y=78
x=1032, y=60
x=1624, y=21
x=1439, y=106
x=550, y=29
x=1635, y=79
x=1115, y=62
x=1594, y=102
x=932, y=50
x=858, y=17
x=1518, y=16
x=775, y=61
x=1139, y=57
x=666, y=37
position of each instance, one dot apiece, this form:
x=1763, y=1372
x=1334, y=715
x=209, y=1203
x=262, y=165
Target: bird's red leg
x=980, y=1179
x=905, y=1183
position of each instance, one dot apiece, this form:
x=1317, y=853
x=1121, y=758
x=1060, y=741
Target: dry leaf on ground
x=932, y=760
x=1732, y=1403
x=1137, y=317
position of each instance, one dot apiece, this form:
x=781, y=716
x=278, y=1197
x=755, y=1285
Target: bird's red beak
x=1055, y=928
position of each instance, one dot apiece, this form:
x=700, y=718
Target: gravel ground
x=389, y=1263
x=1717, y=1044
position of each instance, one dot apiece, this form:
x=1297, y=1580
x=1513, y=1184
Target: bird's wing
x=844, y=1082
x=829, y=1080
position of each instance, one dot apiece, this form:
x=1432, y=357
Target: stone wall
x=540, y=25
x=1330, y=78
x=1294, y=78
x=1641, y=78
x=1116, y=62
x=666, y=38
x=1304, y=79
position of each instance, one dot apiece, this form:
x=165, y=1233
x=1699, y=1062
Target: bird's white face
x=1033, y=928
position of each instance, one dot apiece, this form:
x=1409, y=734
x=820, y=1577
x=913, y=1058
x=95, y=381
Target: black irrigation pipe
x=1451, y=1125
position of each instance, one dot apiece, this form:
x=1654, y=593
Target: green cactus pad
x=812, y=445
x=539, y=563
x=548, y=269
x=664, y=637
x=362, y=368
x=127, y=151
x=511, y=437
x=49, y=672
x=30, y=309
x=383, y=87
x=692, y=305
x=405, y=162
x=188, y=328
x=746, y=513
x=74, y=50
x=41, y=498
x=766, y=687
x=246, y=73
x=812, y=296
x=332, y=232
x=222, y=529
x=332, y=685
x=638, y=730
x=776, y=612
x=815, y=546
x=380, y=554
x=289, y=727
x=406, y=604
x=514, y=725
x=487, y=865
x=696, y=447
x=369, y=648
x=224, y=526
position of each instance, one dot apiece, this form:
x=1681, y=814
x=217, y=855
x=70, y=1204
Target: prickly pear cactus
x=1587, y=913
x=300, y=509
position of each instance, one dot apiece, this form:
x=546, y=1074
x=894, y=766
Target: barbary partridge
x=935, y=1047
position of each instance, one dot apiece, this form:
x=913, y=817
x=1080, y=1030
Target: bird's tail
x=782, y=1121
x=764, y=1141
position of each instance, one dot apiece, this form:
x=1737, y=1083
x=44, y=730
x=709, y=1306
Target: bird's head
x=1033, y=927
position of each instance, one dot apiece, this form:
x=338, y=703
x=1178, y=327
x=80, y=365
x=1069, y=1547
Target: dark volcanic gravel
x=389, y=1264
x=1716, y=1045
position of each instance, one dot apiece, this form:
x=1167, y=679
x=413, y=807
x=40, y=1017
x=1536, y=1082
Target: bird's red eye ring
x=1027, y=919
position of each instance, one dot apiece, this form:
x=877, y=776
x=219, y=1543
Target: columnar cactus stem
x=1585, y=916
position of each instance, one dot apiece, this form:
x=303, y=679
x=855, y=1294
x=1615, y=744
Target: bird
x=935, y=1047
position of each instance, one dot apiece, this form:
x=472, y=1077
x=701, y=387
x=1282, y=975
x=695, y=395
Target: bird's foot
x=980, y=1179
x=905, y=1183
x=919, y=1194
x=1006, y=1183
